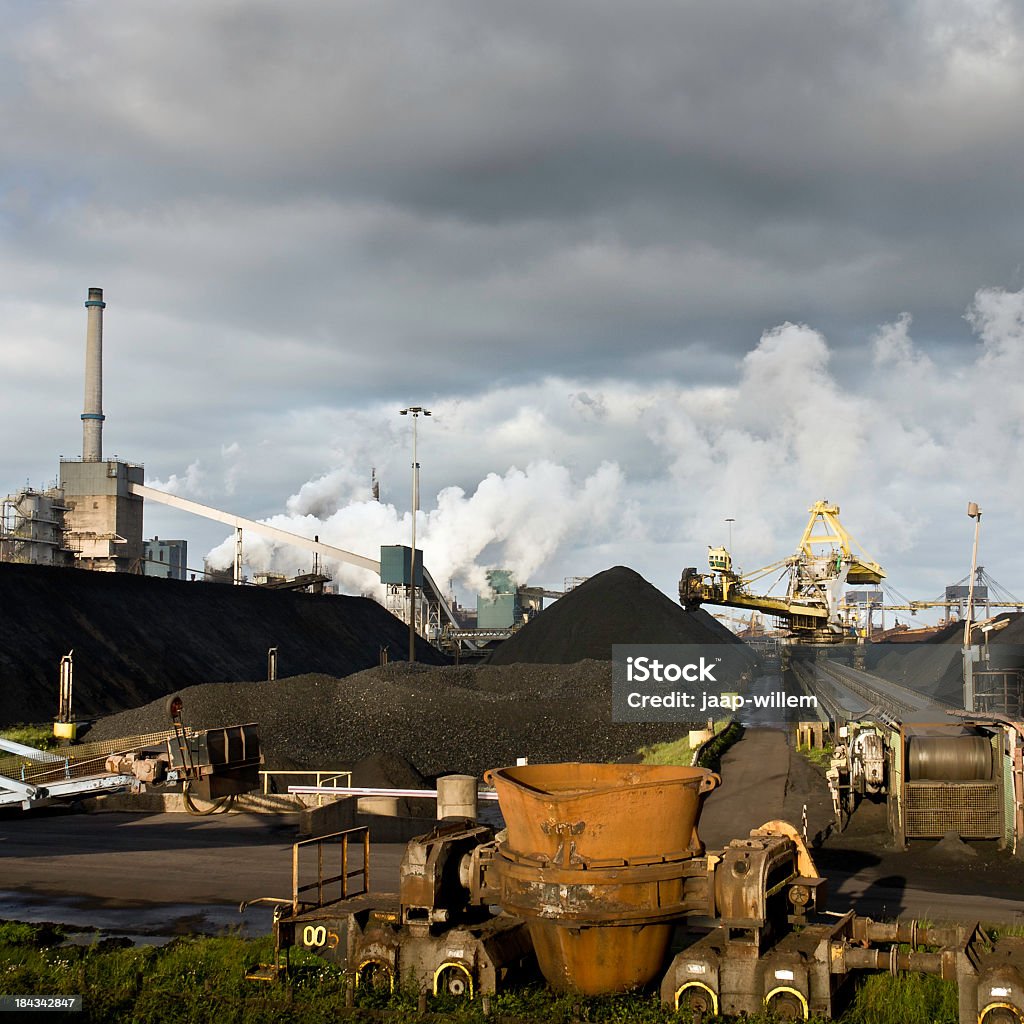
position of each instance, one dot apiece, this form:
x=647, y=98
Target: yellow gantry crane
x=824, y=563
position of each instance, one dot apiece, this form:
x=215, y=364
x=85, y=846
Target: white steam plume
x=516, y=521
x=650, y=472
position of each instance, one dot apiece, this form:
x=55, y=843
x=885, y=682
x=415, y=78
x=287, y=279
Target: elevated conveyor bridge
x=439, y=611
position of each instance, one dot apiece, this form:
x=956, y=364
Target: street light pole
x=414, y=411
x=969, y=654
x=730, y=521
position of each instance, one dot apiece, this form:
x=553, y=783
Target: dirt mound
x=137, y=638
x=617, y=606
x=440, y=720
x=951, y=848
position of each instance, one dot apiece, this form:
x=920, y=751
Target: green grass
x=31, y=735
x=903, y=999
x=821, y=756
x=672, y=752
x=676, y=751
x=202, y=981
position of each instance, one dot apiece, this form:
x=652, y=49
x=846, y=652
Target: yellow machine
x=824, y=563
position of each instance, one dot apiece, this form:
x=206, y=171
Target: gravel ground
x=441, y=720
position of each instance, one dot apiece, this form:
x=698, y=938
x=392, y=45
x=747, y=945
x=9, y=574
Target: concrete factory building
x=90, y=519
x=104, y=520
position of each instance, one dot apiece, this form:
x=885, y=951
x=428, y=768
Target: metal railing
x=327, y=779
x=321, y=885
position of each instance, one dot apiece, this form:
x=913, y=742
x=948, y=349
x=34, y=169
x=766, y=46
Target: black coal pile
x=137, y=638
x=617, y=606
x=440, y=720
x=935, y=666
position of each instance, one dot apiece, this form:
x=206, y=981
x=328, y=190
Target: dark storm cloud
x=305, y=214
x=576, y=160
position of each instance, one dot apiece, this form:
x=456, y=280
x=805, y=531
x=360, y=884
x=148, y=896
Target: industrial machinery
x=825, y=562
x=596, y=867
x=211, y=764
x=961, y=776
x=938, y=768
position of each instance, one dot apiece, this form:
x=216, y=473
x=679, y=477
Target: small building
x=502, y=609
x=167, y=559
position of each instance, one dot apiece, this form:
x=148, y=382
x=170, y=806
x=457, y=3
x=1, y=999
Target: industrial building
x=33, y=528
x=90, y=519
x=103, y=518
x=167, y=559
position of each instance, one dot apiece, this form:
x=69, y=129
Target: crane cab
x=719, y=560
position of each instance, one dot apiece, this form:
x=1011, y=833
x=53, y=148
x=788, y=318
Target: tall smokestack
x=92, y=416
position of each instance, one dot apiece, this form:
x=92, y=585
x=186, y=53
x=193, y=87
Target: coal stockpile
x=440, y=720
x=935, y=666
x=137, y=638
x=617, y=606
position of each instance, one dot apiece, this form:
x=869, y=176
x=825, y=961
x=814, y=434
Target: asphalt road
x=145, y=872
x=171, y=873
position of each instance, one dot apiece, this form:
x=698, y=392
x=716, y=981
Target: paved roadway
x=160, y=872
x=172, y=873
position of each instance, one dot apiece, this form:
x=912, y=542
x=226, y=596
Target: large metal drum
x=949, y=758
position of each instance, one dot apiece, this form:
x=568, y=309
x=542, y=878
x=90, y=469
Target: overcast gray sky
x=652, y=265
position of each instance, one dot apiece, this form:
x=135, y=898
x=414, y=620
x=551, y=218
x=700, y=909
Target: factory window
x=161, y=556
x=95, y=504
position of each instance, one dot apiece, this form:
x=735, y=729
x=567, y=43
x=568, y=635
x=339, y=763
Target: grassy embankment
x=680, y=752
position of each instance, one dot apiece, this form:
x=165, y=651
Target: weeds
x=202, y=981
x=40, y=736
x=820, y=756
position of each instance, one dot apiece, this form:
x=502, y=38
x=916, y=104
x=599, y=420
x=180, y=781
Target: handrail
x=324, y=778
x=321, y=883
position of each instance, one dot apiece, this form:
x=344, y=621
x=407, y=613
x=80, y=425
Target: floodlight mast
x=414, y=411
x=974, y=512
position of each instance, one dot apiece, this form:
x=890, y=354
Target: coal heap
x=935, y=666
x=439, y=720
x=137, y=638
x=617, y=606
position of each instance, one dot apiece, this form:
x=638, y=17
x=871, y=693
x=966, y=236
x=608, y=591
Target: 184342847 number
x=26, y=1004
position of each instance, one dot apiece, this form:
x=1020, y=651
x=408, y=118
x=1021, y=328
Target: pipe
x=893, y=960
x=92, y=414
x=908, y=931
x=372, y=791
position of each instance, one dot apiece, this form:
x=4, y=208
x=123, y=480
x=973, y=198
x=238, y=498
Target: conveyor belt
x=898, y=702
x=78, y=762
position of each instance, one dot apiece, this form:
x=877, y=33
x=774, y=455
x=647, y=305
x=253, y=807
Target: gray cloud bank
x=565, y=225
